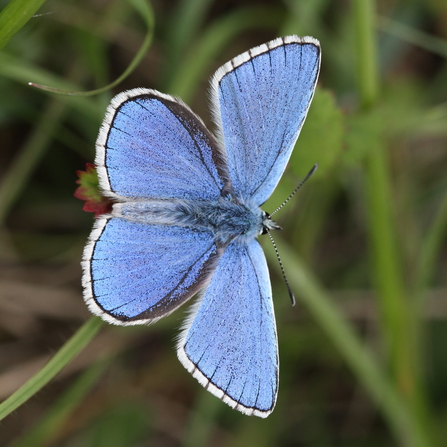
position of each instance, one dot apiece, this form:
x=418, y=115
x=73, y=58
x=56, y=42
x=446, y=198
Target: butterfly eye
x=265, y=227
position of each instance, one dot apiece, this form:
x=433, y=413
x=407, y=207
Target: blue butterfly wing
x=151, y=149
x=135, y=273
x=229, y=342
x=152, y=145
x=261, y=99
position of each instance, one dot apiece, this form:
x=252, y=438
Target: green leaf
x=364, y=134
x=321, y=138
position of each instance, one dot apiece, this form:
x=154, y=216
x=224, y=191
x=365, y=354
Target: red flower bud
x=88, y=190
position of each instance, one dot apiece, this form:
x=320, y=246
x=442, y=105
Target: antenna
x=296, y=189
x=291, y=295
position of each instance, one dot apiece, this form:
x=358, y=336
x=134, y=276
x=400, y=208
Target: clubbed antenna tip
x=291, y=295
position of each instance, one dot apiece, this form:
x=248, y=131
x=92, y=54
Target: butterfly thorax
x=227, y=218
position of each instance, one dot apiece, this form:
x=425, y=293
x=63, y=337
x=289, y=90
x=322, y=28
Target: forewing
x=135, y=273
x=229, y=342
x=152, y=145
x=260, y=100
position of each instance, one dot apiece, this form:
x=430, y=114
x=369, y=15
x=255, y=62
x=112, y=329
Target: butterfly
x=186, y=215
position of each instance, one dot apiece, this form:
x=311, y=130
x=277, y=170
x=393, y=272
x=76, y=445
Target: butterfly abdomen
x=227, y=219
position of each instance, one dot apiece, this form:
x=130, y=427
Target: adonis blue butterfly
x=187, y=215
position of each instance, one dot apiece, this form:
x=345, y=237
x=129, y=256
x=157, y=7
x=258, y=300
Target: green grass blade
x=413, y=36
x=358, y=357
x=67, y=353
x=431, y=247
x=20, y=170
x=214, y=39
x=186, y=21
x=21, y=71
x=145, y=10
x=14, y=16
x=46, y=429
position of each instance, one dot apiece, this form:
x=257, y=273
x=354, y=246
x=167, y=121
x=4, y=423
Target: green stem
x=397, y=320
x=366, y=52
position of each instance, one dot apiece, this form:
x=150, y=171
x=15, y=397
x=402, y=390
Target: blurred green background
x=363, y=355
